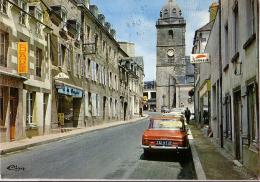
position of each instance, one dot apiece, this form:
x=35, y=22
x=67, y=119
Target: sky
x=134, y=21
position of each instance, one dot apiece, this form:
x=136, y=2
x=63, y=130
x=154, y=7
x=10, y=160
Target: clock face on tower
x=170, y=52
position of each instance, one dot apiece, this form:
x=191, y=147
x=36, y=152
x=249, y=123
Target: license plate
x=163, y=143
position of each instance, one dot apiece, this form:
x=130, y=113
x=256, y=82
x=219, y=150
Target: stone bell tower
x=170, y=67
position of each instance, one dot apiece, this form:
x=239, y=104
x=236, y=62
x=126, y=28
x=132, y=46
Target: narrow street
x=113, y=153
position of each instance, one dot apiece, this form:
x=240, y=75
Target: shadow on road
x=168, y=156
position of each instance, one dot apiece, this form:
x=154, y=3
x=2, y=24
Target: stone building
x=75, y=77
x=202, y=71
x=149, y=95
x=171, y=76
x=234, y=80
x=25, y=82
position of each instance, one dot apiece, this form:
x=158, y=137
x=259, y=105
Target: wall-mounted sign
x=70, y=91
x=199, y=58
x=61, y=118
x=22, y=57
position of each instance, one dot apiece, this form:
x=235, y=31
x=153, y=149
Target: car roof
x=164, y=117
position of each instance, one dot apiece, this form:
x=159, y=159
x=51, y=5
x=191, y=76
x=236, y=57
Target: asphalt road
x=112, y=153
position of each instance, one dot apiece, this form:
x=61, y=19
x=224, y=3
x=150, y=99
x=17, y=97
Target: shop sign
x=22, y=57
x=61, y=118
x=70, y=91
x=199, y=58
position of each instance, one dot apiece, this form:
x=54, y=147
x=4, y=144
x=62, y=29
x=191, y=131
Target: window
x=228, y=117
x=2, y=122
x=29, y=107
x=235, y=29
x=96, y=42
x=251, y=17
x=166, y=13
x=22, y=18
x=97, y=73
x=3, y=6
x=88, y=32
x=174, y=11
x=39, y=16
x=171, y=34
x=252, y=114
x=38, y=62
x=226, y=45
x=61, y=54
x=78, y=59
x=68, y=58
x=82, y=67
x=4, y=44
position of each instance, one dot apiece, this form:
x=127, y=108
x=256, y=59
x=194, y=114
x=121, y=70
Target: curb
x=23, y=147
x=196, y=160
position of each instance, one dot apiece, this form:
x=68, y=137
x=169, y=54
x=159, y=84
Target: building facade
x=76, y=77
x=172, y=86
x=149, y=96
x=234, y=80
x=25, y=82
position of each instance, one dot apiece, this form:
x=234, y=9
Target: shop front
x=204, y=102
x=69, y=106
x=11, y=113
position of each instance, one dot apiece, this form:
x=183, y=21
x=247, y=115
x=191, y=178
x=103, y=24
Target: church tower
x=170, y=67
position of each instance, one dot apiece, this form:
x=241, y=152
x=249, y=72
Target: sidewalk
x=9, y=147
x=215, y=162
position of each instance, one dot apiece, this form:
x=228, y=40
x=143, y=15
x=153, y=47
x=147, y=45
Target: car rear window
x=172, y=124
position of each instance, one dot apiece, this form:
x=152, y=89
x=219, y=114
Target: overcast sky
x=134, y=21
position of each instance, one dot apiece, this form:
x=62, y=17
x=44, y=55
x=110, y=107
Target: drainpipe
x=220, y=76
x=258, y=49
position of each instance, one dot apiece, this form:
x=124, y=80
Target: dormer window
x=59, y=13
x=22, y=18
x=3, y=6
x=73, y=27
x=37, y=13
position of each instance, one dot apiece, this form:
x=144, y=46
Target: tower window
x=166, y=13
x=174, y=11
x=161, y=14
x=171, y=34
x=180, y=12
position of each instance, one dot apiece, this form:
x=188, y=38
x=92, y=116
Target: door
x=237, y=123
x=13, y=111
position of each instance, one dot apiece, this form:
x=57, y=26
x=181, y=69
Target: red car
x=165, y=133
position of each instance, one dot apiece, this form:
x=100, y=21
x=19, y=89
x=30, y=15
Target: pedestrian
x=187, y=115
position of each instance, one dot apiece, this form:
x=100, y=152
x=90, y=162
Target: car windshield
x=172, y=124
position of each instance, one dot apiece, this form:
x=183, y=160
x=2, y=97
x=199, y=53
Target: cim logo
x=199, y=58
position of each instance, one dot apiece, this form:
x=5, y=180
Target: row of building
x=61, y=66
x=226, y=88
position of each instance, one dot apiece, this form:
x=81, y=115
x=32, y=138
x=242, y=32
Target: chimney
x=213, y=10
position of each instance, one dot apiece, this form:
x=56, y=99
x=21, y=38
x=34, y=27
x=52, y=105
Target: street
x=113, y=153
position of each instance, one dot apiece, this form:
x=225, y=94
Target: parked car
x=165, y=133
x=164, y=109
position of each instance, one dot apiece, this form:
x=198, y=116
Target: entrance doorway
x=13, y=111
x=237, y=123
x=125, y=109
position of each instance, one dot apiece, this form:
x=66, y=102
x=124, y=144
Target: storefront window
x=29, y=107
